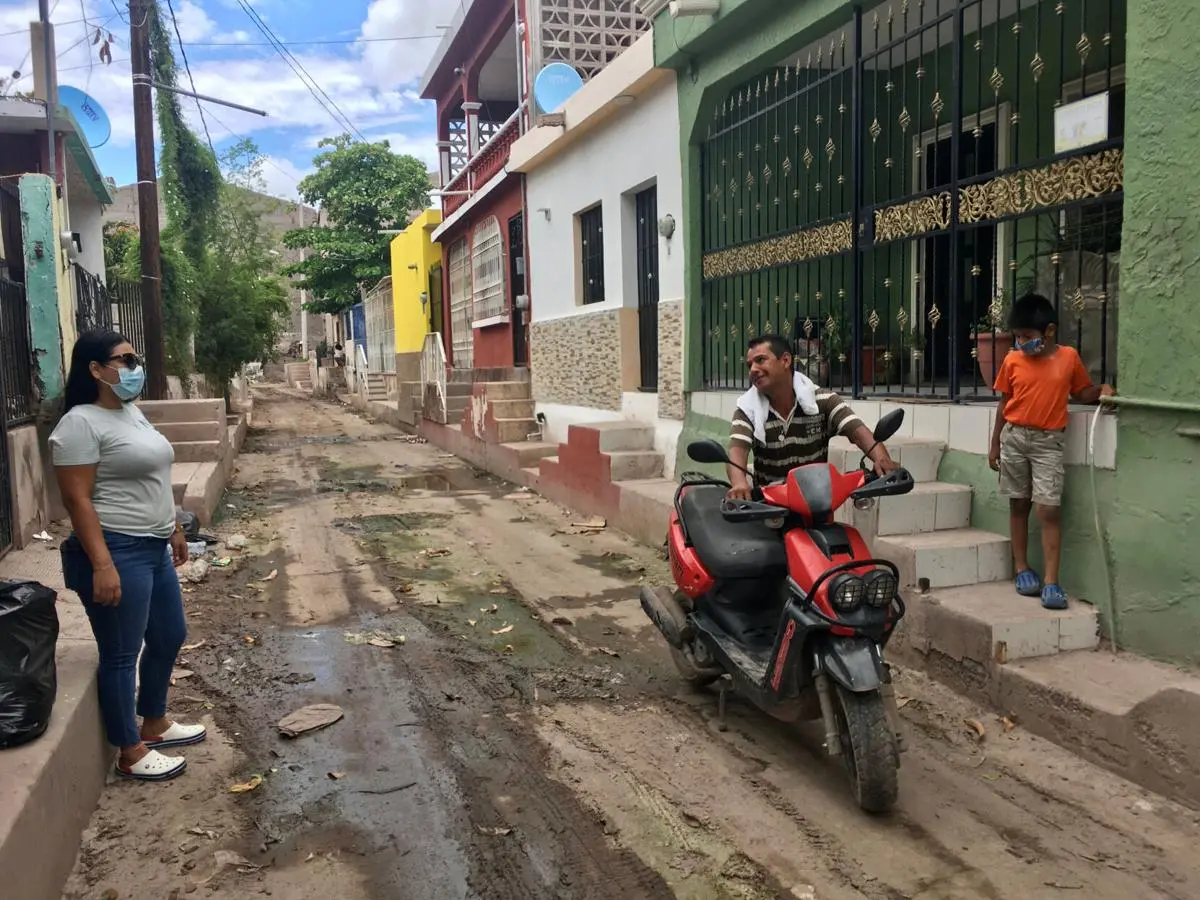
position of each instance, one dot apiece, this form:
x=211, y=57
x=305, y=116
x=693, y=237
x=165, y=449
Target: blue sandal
x=1053, y=597
x=1029, y=583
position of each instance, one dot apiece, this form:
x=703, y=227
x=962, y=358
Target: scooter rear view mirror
x=707, y=451
x=888, y=426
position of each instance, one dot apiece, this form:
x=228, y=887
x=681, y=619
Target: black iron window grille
x=591, y=254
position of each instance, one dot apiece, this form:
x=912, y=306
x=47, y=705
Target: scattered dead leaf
x=246, y=787
x=498, y=831
x=435, y=552
x=382, y=642
x=505, y=630
x=977, y=729
x=471, y=622
x=195, y=646
x=902, y=701
x=498, y=590
x=596, y=523
x=249, y=640
x=335, y=776
x=272, y=576
x=1008, y=724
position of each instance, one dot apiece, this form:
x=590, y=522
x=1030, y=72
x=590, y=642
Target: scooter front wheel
x=868, y=749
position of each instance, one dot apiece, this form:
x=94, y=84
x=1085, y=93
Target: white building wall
x=85, y=215
x=638, y=147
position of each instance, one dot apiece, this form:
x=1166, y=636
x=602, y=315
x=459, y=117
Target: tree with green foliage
x=361, y=188
x=243, y=305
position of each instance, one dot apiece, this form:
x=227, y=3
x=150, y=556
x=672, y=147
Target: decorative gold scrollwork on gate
x=811, y=243
x=1015, y=193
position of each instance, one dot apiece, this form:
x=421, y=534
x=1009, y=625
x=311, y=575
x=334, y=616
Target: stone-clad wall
x=577, y=360
x=671, y=402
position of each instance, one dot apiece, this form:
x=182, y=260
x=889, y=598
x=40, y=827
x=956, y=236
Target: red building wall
x=494, y=345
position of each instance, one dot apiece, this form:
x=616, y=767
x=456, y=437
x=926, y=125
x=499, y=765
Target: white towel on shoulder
x=755, y=404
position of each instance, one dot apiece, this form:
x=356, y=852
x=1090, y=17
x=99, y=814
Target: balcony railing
x=483, y=166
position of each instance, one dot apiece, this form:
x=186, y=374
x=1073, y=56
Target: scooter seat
x=730, y=549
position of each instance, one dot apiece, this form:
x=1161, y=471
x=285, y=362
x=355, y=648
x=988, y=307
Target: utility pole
x=303, y=296
x=143, y=126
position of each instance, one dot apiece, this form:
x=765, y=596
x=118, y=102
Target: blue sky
x=372, y=78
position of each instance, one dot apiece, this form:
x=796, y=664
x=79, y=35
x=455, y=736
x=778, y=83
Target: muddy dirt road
x=516, y=730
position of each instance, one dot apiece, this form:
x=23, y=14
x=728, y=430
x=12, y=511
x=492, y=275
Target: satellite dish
x=88, y=113
x=554, y=86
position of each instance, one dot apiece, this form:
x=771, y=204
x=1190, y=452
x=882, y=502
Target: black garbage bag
x=28, y=676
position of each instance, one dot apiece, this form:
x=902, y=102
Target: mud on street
x=513, y=727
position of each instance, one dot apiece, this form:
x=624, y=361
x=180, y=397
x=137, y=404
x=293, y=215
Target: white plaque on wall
x=1081, y=124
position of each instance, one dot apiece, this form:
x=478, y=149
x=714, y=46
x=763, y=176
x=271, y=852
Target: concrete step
x=159, y=411
x=458, y=389
x=530, y=452
x=513, y=431
x=932, y=506
x=512, y=409
x=963, y=556
x=457, y=404
x=631, y=465
x=198, y=451
x=991, y=622
x=920, y=456
x=620, y=436
x=181, y=474
x=508, y=390
x=182, y=432
x=377, y=395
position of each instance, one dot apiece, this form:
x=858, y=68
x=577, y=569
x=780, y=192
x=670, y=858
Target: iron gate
x=93, y=308
x=882, y=196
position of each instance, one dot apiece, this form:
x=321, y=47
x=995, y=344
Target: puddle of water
x=428, y=481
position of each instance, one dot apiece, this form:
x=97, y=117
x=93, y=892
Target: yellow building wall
x=414, y=254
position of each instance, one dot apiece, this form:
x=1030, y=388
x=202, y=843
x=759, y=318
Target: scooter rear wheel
x=868, y=749
x=693, y=674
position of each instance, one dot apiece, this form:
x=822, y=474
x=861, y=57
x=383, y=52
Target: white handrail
x=433, y=371
x=361, y=357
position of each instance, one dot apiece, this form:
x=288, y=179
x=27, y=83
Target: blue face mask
x=132, y=382
x=1031, y=346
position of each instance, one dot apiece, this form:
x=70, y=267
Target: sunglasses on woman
x=129, y=360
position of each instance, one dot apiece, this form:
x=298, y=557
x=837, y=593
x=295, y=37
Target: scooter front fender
x=853, y=662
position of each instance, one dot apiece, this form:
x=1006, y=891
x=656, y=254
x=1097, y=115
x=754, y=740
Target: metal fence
x=125, y=300
x=92, y=307
x=881, y=197
x=17, y=395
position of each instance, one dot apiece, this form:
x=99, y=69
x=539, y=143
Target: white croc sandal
x=178, y=736
x=154, y=766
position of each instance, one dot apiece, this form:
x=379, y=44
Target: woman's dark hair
x=91, y=347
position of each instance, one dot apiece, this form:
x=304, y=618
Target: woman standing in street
x=114, y=471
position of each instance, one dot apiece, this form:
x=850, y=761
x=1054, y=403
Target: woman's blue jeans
x=150, y=613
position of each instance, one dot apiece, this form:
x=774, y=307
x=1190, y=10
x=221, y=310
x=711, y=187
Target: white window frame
x=462, y=334
x=488, y=299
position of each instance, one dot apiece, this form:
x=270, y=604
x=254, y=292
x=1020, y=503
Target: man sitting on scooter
x=788, y=421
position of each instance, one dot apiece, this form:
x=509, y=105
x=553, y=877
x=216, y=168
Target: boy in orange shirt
x=1036, y=381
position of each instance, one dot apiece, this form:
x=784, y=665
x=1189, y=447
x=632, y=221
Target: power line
x=360, y=40
x=294, y=64
x=269, y=161
x=187, y=68
x=4, y=34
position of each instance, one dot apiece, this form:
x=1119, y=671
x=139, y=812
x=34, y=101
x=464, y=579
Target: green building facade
x=878, y=182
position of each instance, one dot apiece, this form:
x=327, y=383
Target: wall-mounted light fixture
x=545, y=211
x=424, y=299
x=684, y=8
x=413, y=267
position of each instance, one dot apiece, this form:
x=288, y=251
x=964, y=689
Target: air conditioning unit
x=683, y=8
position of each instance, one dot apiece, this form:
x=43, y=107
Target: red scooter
x=777, y=600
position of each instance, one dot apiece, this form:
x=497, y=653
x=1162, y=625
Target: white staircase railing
x=361, y=369
x=433, y=373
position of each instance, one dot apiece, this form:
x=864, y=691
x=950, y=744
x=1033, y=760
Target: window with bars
x=462, y=337
x=591, y=254
x=487, y=267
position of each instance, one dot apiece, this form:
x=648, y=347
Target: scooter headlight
x=881, y=588
x=847, y=593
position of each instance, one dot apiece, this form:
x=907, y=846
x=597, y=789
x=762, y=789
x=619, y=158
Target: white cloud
x=422, y=146
x=194, y=23
x=281, y=176
x=393, y=64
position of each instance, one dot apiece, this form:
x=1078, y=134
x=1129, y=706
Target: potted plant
x=992, y=338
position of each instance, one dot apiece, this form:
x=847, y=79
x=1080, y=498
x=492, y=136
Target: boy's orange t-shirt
x=1040, y=387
